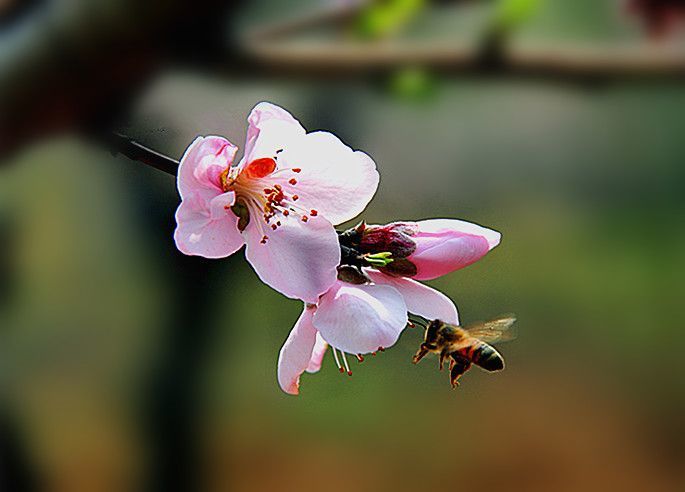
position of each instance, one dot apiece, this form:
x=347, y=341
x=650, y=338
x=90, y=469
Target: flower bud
x=395, y=238
x=426, y=249
x=446, y=245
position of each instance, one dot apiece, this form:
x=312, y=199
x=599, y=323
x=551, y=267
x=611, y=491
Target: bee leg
x=443, y=356
x=420, y=354
x=458, y=369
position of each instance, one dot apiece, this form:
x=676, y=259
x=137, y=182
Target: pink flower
x=281, y=200
x=426, y=249
x=356, y=319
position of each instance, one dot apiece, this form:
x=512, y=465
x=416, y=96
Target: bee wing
x=495, y=330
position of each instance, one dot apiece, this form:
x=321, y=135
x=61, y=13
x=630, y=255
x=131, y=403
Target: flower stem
x=118, y=143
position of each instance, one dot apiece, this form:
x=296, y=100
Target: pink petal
x=270, y=129
x=334, y=180
x=207, y=229
x=320, y=348
x=298, y=259
x=202, y=163
x=360, y=318
x=420, y=299
x=296, y=353
x=445, y=245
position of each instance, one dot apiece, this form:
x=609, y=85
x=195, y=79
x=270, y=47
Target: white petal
x=298, y=259
x=334, y=180
x=319, y=351
x=270, y=129
x=360, y=318
x=419, y=298
x=296, y=353
x=207, y=229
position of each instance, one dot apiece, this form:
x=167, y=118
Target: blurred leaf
x=413, y=84
x=385, y=18
x=509, y=14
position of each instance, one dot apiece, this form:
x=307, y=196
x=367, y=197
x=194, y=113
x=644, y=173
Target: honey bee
x=467, y=345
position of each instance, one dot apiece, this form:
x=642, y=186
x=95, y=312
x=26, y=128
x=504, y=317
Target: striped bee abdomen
x=483, y=355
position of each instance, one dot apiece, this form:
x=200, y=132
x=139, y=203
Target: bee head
x=432, y=329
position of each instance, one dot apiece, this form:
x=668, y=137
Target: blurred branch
x=84, y=71
x=336, y=13
x=547, y=62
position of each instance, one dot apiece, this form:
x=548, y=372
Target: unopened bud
x=395, y=238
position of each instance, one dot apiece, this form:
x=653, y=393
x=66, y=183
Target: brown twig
x=326, y=15
x=572, y=62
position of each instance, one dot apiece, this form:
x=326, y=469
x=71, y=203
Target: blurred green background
x=124, y=363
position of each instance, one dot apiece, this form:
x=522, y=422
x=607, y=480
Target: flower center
x=260, y=168
x=261, y=196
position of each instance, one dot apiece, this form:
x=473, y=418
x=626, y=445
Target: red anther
x=305, y=218
x=278, y=187
x=278, y=223
x=411, y=325
x=274, y=226
x=360, y=358
x=381, y=349
x=292, y=181
x=264, y=239
x=341, y=370
x=313, y=213
x=295, y=197
x=268, y=191
x=297, y=170
x=373, y=353
x=349, y=373
x=260, y=168
x=286, y=213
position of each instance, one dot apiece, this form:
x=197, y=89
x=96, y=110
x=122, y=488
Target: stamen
x=313, y=213
x=296, y=170
x=264, y=239
x=411, y=325
x=337, y=361
x=305, y=218
x=295, y=198
x=292, y=181
x=381, y=349
x=274, y=226
x=347, y=367
x=286, y=212
x=360, y=358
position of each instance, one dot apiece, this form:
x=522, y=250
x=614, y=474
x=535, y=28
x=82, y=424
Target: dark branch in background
x=68, y=66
